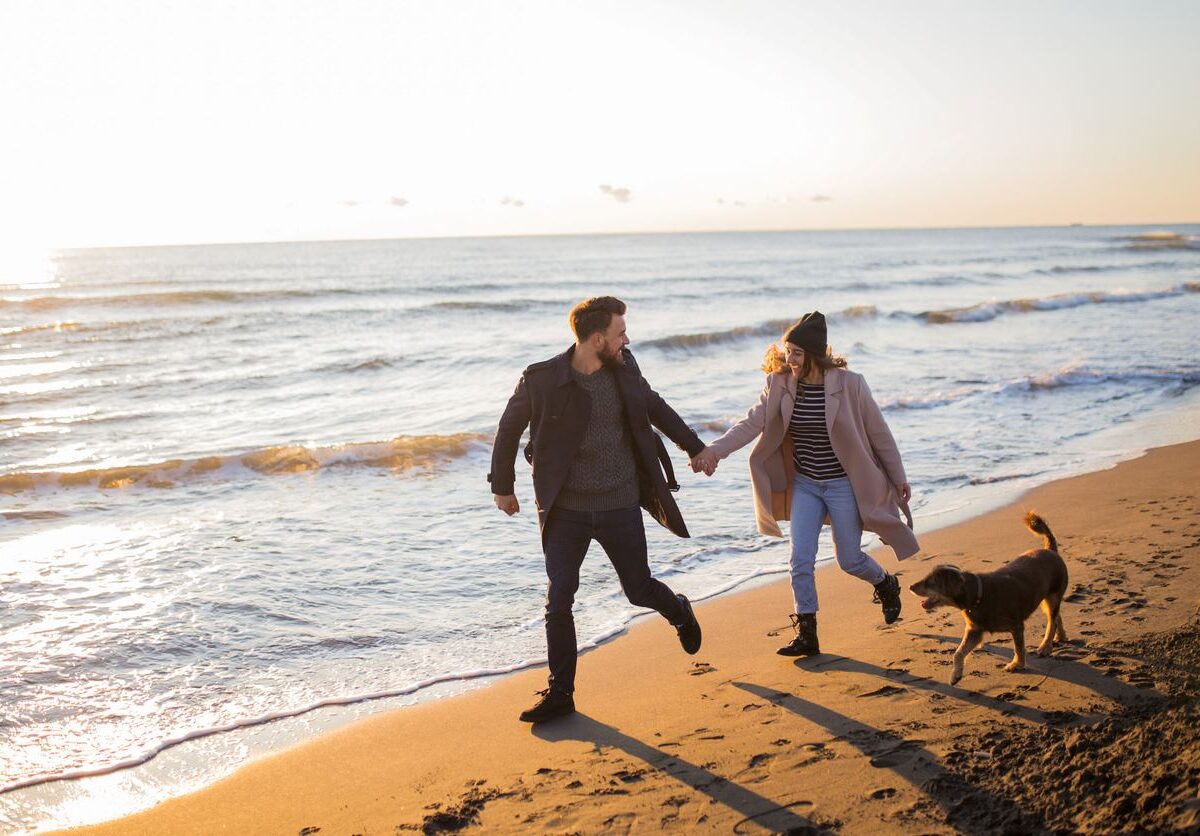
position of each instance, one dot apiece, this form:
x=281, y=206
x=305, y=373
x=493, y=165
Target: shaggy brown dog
x=1000, y=601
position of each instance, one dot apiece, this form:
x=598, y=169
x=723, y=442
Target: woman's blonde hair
x=775, y=360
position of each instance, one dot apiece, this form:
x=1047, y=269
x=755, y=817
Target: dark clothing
x=603, y=476
x=557, y=411
x=565, y=540
x=590, y=444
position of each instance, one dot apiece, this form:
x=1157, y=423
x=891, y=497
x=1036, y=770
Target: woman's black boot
x=805, y=643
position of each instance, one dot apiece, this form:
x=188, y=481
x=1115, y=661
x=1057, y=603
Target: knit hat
x=809, y=333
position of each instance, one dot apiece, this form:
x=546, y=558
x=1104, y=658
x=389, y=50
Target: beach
x=1101, y=736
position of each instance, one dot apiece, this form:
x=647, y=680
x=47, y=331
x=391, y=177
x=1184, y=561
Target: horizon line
x=598, y=234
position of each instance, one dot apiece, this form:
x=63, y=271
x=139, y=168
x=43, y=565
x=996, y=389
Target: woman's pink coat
x=860, y=438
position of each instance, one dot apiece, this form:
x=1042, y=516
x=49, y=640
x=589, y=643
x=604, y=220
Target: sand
x=867, y=737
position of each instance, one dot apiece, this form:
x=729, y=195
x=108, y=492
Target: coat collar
x=562, y=366
x=834, y=384
x=834, y=378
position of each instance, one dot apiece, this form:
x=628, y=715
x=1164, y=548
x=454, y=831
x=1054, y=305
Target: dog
x=1000, y=601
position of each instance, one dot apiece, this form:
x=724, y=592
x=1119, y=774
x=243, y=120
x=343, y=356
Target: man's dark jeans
x=623, y=537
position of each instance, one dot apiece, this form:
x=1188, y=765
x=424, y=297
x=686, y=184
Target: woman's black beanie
x=809, y=333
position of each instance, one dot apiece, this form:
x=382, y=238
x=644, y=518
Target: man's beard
x=612, y=360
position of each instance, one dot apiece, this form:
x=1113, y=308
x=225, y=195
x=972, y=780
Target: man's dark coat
x=556, y=410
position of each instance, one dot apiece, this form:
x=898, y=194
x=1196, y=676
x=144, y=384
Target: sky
x=181, y=121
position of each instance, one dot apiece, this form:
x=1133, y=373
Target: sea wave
x=1076, y=375
x=173, y=297
x=1066, y=376
x=1059, y=269
x=1162, y=240
x=399, y=454
x=986, y=311
x=372, y=365
x=772, y=329
x=45, y=326
x=496, y=305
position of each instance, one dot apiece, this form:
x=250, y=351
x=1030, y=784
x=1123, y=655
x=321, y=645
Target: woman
x=824, y=452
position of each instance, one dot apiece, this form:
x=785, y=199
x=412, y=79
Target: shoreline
x=624, y=661
x=173, y=769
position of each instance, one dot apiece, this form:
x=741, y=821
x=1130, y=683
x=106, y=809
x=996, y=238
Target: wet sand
x=1102, y=736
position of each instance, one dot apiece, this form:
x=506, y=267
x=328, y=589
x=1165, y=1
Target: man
x=595, y=461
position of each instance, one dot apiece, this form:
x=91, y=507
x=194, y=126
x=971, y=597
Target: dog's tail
x=1038, y=526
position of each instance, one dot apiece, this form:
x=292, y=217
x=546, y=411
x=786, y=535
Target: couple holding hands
x=823, y=452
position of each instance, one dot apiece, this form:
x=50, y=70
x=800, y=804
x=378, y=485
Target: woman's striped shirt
x=811, y=449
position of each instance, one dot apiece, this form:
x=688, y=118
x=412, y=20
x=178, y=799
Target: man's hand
x=706, y=461
x=905, y=493
x=507, y=504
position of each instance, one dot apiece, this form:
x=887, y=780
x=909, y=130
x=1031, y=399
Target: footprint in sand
x=701, y=668
x=885, y=691
x=891, y=759
x=629, y=776
x=886, y=792
x=621, y=821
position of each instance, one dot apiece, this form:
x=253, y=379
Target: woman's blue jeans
x=811, y=501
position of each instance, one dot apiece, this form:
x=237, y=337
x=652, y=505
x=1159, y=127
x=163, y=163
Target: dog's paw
x=1014, y=665
x=1044, y=651
x=955, y=676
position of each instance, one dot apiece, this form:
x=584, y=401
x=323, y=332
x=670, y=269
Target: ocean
x=242, y=487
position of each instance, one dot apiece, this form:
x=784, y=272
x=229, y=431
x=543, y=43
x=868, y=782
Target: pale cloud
x=618, y=193
x=348, y=203
x=512, y=201
x=821, y=198
x=398, y=201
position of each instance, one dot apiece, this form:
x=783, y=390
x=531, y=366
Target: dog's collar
x=978, y=590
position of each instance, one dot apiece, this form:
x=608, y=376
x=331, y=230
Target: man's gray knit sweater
x=603, y=476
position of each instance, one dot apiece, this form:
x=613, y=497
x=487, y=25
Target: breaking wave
x=986, y=311
x=178, y=297
x=1083, y=376
x=45, y=326
x=399, y=454
x=1162, y=240
x=484, y=305
x=1072, y=375
x=771, y=329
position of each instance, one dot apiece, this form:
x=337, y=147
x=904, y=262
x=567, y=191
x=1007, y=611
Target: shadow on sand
x=1061, y=666
x=763, y=812
x=962, y=804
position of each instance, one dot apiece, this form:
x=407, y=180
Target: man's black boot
x=887, y=594
x=805, y=643
x=689, y=628
x=552, y=704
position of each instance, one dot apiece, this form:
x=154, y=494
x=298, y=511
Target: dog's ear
x=954, y=583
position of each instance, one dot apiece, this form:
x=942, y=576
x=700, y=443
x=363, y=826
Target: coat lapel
x=833, y=398
x=787, y=399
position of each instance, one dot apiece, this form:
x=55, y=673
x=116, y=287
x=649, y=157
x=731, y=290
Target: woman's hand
x=705, y=460
x=905, y=493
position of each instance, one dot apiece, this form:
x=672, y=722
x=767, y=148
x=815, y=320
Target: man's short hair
x=594, y=315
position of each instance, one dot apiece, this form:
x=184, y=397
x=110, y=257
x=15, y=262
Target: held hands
x=507, y=504
x=706, y=461
x=905, y=493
